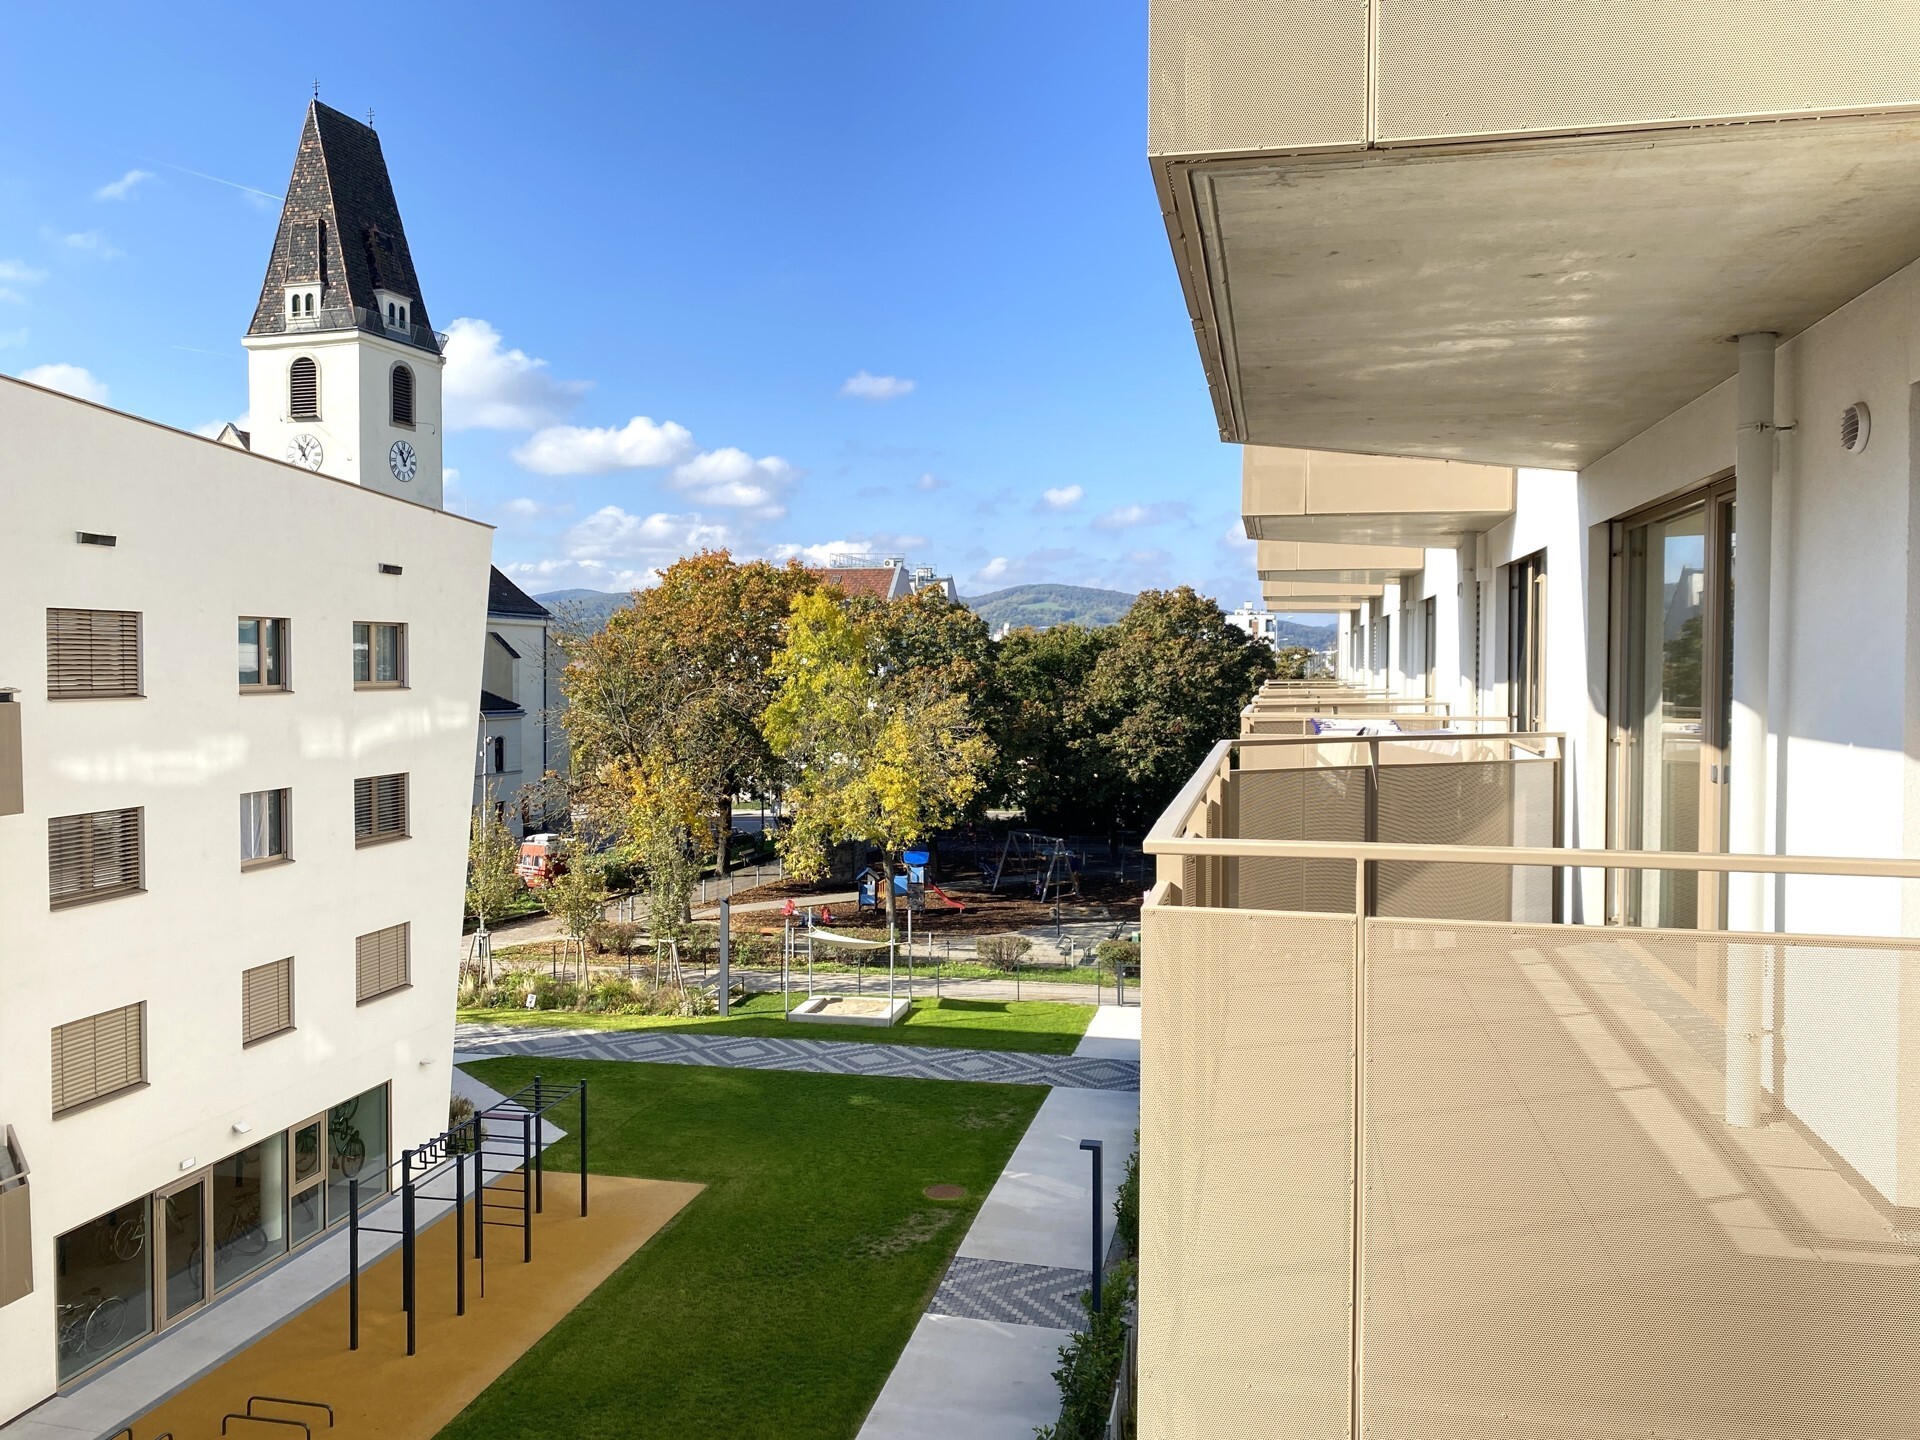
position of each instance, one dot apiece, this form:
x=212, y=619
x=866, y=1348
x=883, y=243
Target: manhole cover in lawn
x=946, y=1192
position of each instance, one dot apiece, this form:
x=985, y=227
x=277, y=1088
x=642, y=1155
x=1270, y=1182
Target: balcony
x=1586, y=1211
x=1317, y=500
x=1518, y=234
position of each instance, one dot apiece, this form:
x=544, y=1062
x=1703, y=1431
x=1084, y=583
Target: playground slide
x=952, y=904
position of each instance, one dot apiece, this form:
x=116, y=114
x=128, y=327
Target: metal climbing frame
x=445, y=1156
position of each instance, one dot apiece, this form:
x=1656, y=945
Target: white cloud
x=13, y=337
x=876, y=387
x=1125, y=517
x=587, y=450
x=1063, y=497
x=489, y=387
x=123, y=187
x=613, y=549
x=855, y=550
x=72, y=379
x=90, y=242
x=995, y=569
x=17, y=272
x=929, y=482
x=734, y=480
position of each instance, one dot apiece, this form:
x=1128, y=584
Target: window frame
x=98, y=1097
x=394, y=372
x=401, y=652
x=283, y=856
x=376, y=810
x=55, y=636
x=93, y=895
x=285, y=963
x=263, y=686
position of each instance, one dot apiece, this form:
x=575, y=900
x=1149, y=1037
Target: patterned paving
x=1012, y=1294
x=831, y=1057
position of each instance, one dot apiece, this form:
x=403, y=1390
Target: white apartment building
x=242, y=726
x=1573, y=349
x=521, y=738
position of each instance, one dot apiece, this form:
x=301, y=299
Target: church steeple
x=344, y=365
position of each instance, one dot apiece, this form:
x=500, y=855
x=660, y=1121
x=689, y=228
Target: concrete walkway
x=830, y=1057
x=127, y=1390
x=980, y=1363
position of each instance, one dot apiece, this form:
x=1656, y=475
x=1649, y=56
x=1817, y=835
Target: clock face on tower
x=305, y=450
x=402, y=461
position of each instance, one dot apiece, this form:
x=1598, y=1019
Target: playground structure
x=910, y=888
x=1045, y=863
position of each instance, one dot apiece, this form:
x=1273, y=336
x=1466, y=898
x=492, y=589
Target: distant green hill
x=585, y=607
x=1043, y=605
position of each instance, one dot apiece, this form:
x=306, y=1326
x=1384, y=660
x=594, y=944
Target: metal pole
x=480, y=1198
x=539, y=1160
x=408, y=1250
x=460, y=1232
x=583, y=1149
x=1095, y=1147
x=353, y=1262
x=526, y=1189
x=726, y=954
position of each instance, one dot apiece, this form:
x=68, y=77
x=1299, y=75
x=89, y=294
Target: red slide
x=952, y=904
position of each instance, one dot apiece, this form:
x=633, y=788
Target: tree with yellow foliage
x=877, y=751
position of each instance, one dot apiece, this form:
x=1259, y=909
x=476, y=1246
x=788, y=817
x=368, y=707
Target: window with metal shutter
x=92, y=654
x=402, y=395
x=93, y=856
x=266, y=1000
x=99, y=1055
x=379, y=808
x=381, y=961
x=303, y=389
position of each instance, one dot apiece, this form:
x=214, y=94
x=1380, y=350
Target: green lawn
x=778, y=1301
x=1043, y=1026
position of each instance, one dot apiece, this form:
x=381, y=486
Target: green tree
x=1295, y=662
x=1169, y=684
x=1037, y=710
x=678, y=681
x=493, y=882
x=576, y=898
x=882, y=751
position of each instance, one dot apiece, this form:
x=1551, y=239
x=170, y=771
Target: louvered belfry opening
x=93, y=856
x=403, y=395
x=98, y=1056
x=303, y=389
x=92, y=654
x=379, y=808
x=381, y=961
x=266, y=1000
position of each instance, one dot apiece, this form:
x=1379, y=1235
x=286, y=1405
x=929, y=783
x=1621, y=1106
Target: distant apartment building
x=1572, y=351
x=241, y=719
x=888, y=578
x=522, y=741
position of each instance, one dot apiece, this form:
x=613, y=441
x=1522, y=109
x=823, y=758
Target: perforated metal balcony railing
x=1416, y=1175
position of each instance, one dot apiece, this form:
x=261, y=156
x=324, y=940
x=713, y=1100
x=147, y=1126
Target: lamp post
x=1095, y=1147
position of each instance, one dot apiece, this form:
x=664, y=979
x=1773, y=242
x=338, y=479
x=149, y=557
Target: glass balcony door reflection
x=183, y=1249
x=1673, y=717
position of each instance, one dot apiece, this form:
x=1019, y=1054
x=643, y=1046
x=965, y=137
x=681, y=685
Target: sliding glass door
x=1672, y=661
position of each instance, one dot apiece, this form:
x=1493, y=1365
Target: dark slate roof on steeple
x=341, y=226
x=506, y=598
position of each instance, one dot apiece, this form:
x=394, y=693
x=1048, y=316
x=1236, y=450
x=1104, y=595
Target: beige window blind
x=99, y=1055
x=92, y=654
x=380, y=961
x=93, y=856
x=379, y=808
x=266, y=1000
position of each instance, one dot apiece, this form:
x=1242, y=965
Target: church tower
x=343, y=367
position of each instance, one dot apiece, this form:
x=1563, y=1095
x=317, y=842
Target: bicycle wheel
x=106, y=1322
x=129, y=1239
x=352, y=1156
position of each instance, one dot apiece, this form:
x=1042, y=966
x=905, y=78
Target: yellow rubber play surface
x=379, y=1391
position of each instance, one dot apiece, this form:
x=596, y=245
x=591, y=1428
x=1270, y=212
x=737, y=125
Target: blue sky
x=791, y=279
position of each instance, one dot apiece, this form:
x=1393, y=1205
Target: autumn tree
x=883, y=748
x=493, y=881
x=1169, y=683
x=676, y=682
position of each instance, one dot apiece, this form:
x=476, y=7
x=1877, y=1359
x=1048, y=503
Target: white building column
x=1750, y=792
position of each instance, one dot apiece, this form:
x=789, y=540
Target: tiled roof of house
x=506, y=598
x=492, y=704
x=876, y=581
x=340, y=225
